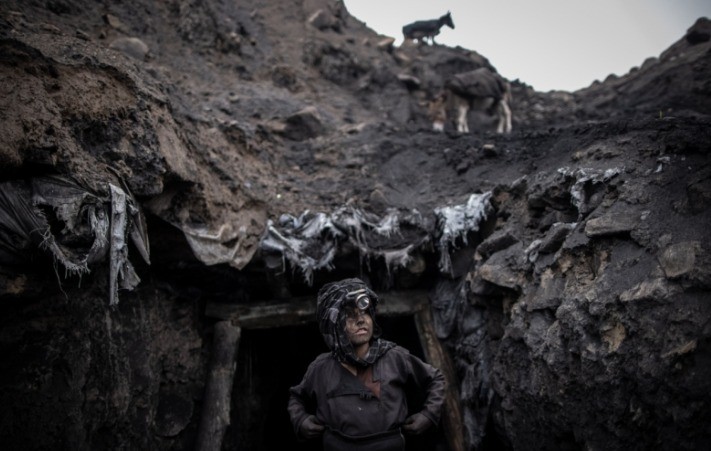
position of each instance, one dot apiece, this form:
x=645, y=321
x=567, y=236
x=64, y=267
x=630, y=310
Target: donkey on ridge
x=423, y=29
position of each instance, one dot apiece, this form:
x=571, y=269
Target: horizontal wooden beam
x=302, y=310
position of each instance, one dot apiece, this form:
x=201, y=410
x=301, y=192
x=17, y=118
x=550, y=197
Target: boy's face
x=359, y=326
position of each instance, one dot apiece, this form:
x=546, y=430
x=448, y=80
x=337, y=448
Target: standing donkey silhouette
x=423, y=29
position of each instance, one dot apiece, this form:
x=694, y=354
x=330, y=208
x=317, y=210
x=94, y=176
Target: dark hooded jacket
x=340, y=400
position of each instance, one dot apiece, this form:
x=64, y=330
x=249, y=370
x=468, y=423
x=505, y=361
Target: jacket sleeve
x=302, y=400
x=432, y=381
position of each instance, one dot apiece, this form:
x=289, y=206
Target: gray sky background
x=548, y=44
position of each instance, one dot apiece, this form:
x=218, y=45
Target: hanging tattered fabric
x=309, y=242
x=456, y=222
x=121, y=271
x=79, y=227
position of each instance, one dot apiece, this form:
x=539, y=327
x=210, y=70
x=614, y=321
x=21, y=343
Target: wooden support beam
x=302, y=310
x=438, y=357
x=218, y=389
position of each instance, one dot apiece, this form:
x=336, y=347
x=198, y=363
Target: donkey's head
x=447, y=20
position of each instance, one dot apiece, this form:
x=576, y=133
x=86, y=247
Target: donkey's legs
x=507, y=115
x=501, y=116
x=462, y=111
x=503, y=113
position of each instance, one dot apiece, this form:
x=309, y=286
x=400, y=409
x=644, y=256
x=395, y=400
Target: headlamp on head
x=360, y=298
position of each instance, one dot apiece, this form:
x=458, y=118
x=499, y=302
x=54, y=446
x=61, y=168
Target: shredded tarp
x=121, y=271
x=71, y=206
x=230, y=237
x=221, y=245
x=582, y=177
x=22, y=226
x=77, y=226
x=310, y=241
x=455, y=222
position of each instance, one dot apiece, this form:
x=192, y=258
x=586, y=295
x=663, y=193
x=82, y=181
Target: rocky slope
x=573, y=298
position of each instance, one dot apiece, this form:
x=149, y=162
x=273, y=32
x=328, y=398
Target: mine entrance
x=269, y=360
x=272, y=360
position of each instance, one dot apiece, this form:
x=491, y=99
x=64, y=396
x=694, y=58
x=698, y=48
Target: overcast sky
x=549, y=44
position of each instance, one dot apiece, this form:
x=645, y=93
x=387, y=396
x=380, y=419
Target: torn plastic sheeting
x=398, y=258
x=309, y=225
x=87, y=235
x=121, y=271
x=374, y=237
x=138, y=228
x=386, y=226
x=294, y=250
x=222, y=246
x=389, y=224
x=310, y=241
x=22, y=226
x=71, y=204
x=582, y=176
x=363, y=228
x=456, y=222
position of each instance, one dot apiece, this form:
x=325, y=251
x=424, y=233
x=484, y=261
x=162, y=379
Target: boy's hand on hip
x=416, y=424
x=311, y=427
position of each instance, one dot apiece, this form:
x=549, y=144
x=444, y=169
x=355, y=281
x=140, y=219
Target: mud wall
x=78, y=374
x=585, y=322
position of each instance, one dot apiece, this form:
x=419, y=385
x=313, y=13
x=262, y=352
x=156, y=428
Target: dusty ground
x=577, y=315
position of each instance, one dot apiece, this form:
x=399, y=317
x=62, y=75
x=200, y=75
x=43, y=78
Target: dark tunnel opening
x=269, y=361
x=274, y=355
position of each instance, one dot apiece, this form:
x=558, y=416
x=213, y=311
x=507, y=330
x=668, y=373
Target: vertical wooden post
x=218, y=388
x=437, y=356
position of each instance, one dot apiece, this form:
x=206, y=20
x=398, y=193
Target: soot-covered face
x=359, y=326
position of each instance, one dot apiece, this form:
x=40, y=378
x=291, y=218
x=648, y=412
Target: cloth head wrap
x=330, y=312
